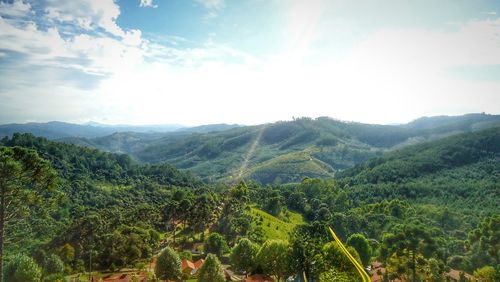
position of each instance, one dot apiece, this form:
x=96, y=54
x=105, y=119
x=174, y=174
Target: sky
x=195, y=62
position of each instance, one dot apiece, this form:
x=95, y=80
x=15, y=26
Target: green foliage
x=26, y=181
x=362, y=246
x=53, y=264
x=243, y=256
x=22, y=268
x=485, y=242
x=73, y=161
x=66, y=253
x=211, y=271
x=216, y=244
x=427, y=158
x=408, y=241
x=168, y=265
x=291, y=167
x=235, y=221
x=273, y=227
x=334, y=275
x=126, y=245
x=331, y=257
x=186, y=255
x=485, y=273
x=273, y=258
x=56, y=277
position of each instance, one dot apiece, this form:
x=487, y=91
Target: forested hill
x=284, y=151
x=427, y=158
x=76, y=162
x=280, y=152
x=460, y=173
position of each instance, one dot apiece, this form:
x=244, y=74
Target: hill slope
x=281, y=151
x=429, y=158
x=289, y=151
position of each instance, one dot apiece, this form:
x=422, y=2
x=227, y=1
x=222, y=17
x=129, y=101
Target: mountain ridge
x=284, y=151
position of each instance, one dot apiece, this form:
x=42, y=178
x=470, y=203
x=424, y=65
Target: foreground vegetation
x=420, y=210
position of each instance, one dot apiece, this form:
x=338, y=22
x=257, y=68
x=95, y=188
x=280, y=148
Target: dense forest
x=420, y=210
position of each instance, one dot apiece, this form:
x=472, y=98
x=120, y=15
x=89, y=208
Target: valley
x=429, y=187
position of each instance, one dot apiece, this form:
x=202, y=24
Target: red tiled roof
x=187, y=264
x=199, y=263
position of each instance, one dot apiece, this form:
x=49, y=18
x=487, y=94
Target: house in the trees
x=191, y=268
x=199, y=263
x=457, y=275
x=187, y=267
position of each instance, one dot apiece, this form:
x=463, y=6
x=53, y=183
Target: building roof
x=376, y=264
x=199, y=263
x=455, y=275
x=187, y=264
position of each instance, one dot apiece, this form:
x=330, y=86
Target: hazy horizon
x=174, y=124
x=202, y=62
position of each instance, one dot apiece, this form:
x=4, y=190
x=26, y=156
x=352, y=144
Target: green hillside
x=429, y=158
x=283, y=151
x=273, y=227
x=459, y=172
x=291, y=167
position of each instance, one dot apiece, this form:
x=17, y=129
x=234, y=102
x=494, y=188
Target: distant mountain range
x=269, y=153
x=57, y=129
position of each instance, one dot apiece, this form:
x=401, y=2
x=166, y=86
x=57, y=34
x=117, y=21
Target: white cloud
x=15, y=9
x=89, y=53
x=27, y=39
x=87, y=14
x=147, y=3
x=392, y=75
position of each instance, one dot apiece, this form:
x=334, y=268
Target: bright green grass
x=291, y=167
x=273, y=227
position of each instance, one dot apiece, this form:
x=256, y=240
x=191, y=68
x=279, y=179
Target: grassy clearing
x=291, y=167
x=274, y=227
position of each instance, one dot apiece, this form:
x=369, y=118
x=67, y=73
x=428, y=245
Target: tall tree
x=273, y=257
x=216, y=244
x=362, y=246
x=22, y=269
x=243, y=255
x=168, y=265
x=24, y=180
x=409, y=240
x=171, y=214
x=211, y=271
